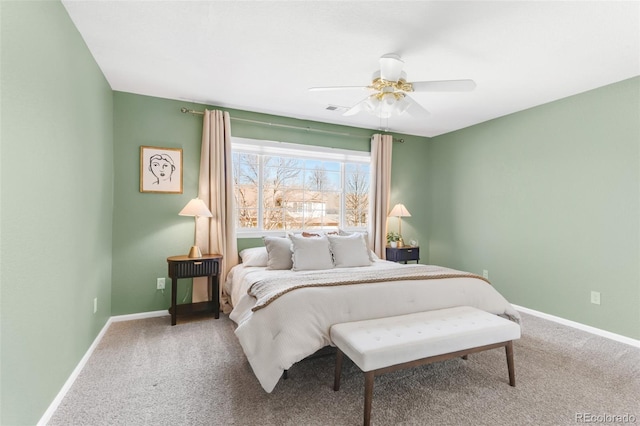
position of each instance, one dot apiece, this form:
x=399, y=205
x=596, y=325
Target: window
x=282, y=186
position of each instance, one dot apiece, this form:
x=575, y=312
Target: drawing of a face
x=161, y=165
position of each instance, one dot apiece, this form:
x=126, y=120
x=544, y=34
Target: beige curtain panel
x=381, y=148
x=218, y=233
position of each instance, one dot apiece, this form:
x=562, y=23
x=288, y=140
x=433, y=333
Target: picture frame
x=161, y=170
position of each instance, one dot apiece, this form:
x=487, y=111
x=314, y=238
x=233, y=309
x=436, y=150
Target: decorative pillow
x=305, y=234
x=349, y=251
x=255, y=256
x=278, y=252
x=365, y=235
x=309, y=234
x=311, y=253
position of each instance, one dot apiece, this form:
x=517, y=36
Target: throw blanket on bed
x=268, y=290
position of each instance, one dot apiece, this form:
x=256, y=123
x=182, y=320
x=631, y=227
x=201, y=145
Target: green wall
x=56, y=198
x=147, y=228
x=547, y=200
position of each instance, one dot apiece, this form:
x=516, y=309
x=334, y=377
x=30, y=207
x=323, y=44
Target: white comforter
x=297, y=324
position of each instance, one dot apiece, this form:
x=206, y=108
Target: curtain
x=381, y=147
x=218, y=233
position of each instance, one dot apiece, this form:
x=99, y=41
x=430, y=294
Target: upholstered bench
x=383, y=345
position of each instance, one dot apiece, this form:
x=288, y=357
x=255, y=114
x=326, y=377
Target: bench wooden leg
x=336, y=380
x=512, y=372
x=368, y=396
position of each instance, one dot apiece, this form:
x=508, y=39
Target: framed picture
x=161, y=170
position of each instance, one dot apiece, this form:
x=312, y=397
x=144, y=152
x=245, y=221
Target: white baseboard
x=579, y=326
x=72, y=378
x=74, y=374
x=141, y=315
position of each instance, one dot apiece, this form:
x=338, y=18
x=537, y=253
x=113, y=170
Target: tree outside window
x=280, y=192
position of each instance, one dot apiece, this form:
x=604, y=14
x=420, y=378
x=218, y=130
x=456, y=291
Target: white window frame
x=304, y=152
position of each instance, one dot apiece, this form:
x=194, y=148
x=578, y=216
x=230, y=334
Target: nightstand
x=188, y=267
x=403, y=254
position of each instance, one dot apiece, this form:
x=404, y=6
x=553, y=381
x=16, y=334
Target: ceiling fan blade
x=444, y=86
x=391, y=67
x=415, y=109
x=322, y=89
x=356, y=108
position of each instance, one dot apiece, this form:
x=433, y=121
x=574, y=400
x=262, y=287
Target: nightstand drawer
x=403, y=254
x=193, y=268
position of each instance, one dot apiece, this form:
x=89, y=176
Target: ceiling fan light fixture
x=402, y=105
x=389, y=100
x=371, y=104
x=386, y=104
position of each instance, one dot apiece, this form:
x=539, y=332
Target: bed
x=284, y=311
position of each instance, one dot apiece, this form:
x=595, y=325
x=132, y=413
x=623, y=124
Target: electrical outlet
x=95, y=305
x=595, y=297
x=485, y=274
x=160, y=284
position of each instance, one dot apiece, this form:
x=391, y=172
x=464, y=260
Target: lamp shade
x=399, y=210
x=195, y=207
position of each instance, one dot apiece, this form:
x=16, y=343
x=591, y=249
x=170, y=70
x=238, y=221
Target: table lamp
x=195, y=208
x=399, y=211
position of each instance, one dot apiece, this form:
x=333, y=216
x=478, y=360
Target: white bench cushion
x=383, y=342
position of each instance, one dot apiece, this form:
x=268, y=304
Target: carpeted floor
x=146, y=372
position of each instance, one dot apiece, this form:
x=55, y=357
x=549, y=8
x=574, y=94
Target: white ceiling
x=263, y=55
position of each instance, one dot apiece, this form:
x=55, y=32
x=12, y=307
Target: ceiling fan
x=390, y=90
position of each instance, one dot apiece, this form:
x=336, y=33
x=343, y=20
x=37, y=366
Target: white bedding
x=297, y=324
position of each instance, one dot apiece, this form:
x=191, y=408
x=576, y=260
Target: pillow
x=365, y=235
x=349, y=251
x=278, y=252
x=255, y=256
x=309, y=234
x=311, y=253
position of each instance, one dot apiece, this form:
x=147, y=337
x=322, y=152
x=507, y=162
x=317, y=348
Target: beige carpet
x=146, y=372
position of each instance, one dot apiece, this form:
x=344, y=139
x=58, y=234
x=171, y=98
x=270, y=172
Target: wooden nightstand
x=188, y=267
x=403, y=254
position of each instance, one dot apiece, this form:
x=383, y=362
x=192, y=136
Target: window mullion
x=260, y=192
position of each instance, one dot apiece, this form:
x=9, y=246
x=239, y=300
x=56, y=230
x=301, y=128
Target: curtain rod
x=185, y=110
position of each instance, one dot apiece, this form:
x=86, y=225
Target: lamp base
x=194, y=253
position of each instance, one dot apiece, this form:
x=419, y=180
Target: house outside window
x=291, y=187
